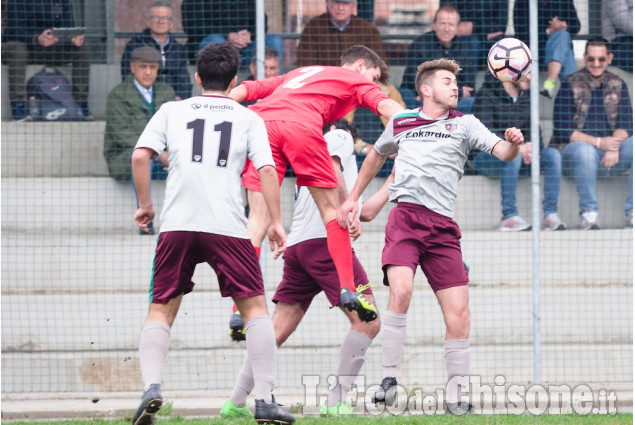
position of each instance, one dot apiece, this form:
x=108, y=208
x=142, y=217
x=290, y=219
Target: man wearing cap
x=130, y=106
x=328, y=35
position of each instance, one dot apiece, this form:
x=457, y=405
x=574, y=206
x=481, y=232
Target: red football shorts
x=302, y=147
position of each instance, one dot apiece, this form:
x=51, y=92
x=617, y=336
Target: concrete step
x=88, y=342
x=101, y=205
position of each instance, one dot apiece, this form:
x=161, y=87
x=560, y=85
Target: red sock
x=339, y=244
x=257, y=249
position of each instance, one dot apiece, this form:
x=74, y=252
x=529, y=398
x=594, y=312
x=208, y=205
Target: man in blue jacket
x=28, y=38
x=173, y=67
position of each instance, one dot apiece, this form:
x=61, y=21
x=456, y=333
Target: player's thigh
x=297, y=285
x=175, y=259
x=251, y=307
x=401, y=282
x=307, y=152
x=235, y=263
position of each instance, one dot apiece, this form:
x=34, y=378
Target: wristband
x=598, y=142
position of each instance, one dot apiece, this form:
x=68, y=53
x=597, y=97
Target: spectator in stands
x=443, y=42
x=326, y=36
x=485, y=20
x=215, y=21
x=557, y=20
x=173, y=66
x=272, y=64
x=129, y=107
x=27, y=38
x=593, y=123
x=617, y=27
x=500, y=106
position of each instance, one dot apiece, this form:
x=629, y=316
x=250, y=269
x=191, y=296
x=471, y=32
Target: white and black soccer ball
x=509, y=59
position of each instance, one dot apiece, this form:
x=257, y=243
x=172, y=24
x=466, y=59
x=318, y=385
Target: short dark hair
x=342, y=124
x=370, y=57
x=161, y=3
x=447, y=7
x=270, y=53
x=597, y=41
x=217, y=65
x=429, y=68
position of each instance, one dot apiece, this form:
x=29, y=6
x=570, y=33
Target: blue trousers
x=582, y=161
x=550, y=161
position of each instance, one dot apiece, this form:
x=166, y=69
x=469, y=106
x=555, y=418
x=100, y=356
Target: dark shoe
x=86, y=112
x=149, y=232
x=354, y=301
x=459, y=409
x=150, y=404
x=237, y=327
x=20, y=113
x=387, y=394
x=272, y=413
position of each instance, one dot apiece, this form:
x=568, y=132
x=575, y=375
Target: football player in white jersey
x=309, y=270
x=208, y=139
x=433, y=143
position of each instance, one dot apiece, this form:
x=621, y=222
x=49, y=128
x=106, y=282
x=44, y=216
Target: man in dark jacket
x=443, y=42
x=130, y=106
x=500, y=105
x=28, y=38
x=173, y=65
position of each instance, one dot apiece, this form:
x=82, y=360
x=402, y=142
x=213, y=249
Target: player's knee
x=369, y=329
x=459, y=323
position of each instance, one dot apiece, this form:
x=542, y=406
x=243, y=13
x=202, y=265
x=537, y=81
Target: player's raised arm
x=271, y=193
x=388, y=107
x=370, y=167
x=141, y=176
x=507, y=149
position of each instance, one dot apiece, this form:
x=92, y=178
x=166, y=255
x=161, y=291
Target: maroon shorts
x=233, y=259
x=309, y=269
x=418, y=235
x=302, y=147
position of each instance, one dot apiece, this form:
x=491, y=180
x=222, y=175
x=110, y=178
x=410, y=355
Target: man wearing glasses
x=173, y=66
x=593, y=125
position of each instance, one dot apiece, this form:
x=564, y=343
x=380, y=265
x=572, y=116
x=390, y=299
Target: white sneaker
x=589, y=220
x=513, y=224
x=553, y=222
x=628, y=221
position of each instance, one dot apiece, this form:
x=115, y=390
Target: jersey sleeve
x=369, y=95
x=386, y=144
x=259, y=151
x=479, y=136
x=340, y=143
x=154, y=136
x=259, y=89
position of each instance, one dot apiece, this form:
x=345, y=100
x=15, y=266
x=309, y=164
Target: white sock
x=394, y=336
x=244, y=384
x=262, y=353
x=153, y=348
x=352, y=358
x=457, y=363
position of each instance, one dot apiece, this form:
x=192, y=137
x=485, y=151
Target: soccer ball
x=509, y=59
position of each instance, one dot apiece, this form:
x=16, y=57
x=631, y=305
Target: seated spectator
x=485, y=20
x=557, y=20
x=129, y=107
x=272, y=64
x=443, y=42
x=173, y=66
x=593, y=125
x=500, y=106
x=326, y=36
x=208, y=22
x=617, y=27
x=27, y=39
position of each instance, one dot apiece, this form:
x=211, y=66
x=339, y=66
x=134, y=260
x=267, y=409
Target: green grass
x=177, y=419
